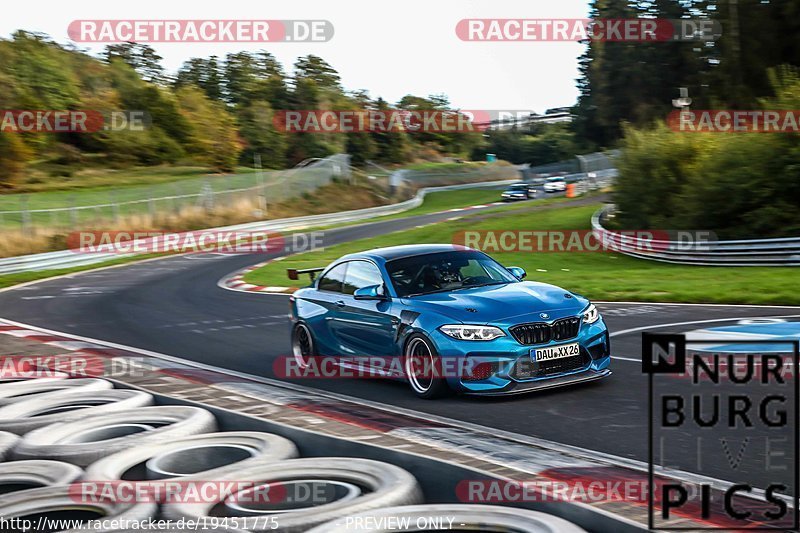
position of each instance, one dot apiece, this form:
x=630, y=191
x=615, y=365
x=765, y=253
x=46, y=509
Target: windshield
x=518, y=187
x=555, y=179
x=445, y=271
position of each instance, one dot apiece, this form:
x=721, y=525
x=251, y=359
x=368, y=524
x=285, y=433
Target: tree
x=201, y=73
x=14, y=155
x=240, y=77
x=213, y=135
x=260, y=136
x=315, y=68
x=141, y=57
x=391, y=146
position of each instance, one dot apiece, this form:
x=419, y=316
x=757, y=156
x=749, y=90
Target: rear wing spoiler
x=294, y=274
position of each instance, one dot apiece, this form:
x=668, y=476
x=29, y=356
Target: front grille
x=542, y=332
x=556, y=366
x=535, y=333
x=525, y=368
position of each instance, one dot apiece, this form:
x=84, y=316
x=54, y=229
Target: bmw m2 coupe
x=452, y=319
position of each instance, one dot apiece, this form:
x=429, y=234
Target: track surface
x=175, y=307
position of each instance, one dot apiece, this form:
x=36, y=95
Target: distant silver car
x=519, y=191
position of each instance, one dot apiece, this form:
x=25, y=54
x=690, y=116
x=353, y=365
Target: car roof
x=396, y=252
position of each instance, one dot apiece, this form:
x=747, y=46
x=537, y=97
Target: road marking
x=691, y=322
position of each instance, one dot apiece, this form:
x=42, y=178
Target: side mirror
x=373, y=292
x=517, y=272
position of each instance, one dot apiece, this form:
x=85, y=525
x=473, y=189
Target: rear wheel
x=422, y=366
x=302, y=344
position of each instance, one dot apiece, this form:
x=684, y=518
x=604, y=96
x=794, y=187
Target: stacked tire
x=68, y=445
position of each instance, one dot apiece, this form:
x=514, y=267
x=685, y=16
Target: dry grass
x=327, y=199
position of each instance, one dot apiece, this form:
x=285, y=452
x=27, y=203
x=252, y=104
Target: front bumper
x=507, y=356
x=521, y=387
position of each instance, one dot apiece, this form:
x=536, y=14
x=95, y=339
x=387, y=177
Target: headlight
x=472, y=333
x=591, y=315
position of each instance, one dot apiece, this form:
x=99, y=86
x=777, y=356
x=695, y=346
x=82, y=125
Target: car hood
x=512, y=303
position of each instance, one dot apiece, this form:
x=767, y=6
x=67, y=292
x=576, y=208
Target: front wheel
x=422, y=366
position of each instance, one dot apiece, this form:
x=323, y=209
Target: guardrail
x=70, y=259
x=753, y=252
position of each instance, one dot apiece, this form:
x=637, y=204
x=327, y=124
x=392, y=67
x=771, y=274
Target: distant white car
x=555, y=185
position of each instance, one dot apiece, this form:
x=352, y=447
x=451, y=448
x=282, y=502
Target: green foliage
x=260, y=136
x=739, y=185
x=13, y=157
x=37, y=65
x=140, y=57
x=635, y=82
x=547, y=144
x=213, y=135
x=215, y=111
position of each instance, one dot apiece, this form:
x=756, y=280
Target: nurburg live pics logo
x=739, y=422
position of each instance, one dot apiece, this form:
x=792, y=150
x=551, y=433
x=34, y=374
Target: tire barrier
x=201, y=456
x=61, y=504
x=83, y=442
x=18, y=476
x=25, y=390
x=333, y=487
x=450, y=517
x=67, y=406
x=68, y=425
x=7, y=443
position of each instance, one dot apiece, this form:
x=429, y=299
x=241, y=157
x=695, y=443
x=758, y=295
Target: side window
x=361, y=274
x=332, y=281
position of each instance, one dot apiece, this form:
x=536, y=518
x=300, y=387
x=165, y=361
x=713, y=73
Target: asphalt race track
x=174, y=306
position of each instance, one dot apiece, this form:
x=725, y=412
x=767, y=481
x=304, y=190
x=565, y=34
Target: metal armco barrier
x=70, y=259
x=755, y=252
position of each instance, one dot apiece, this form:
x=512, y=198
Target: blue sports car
x=447, y=318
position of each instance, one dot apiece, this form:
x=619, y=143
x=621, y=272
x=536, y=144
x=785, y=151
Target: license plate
x=556, y=352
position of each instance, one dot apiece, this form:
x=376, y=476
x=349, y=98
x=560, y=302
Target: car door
x=328, y=300
x=365, y=327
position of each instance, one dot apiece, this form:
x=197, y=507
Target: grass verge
x=317, y=203
x=600, y=276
